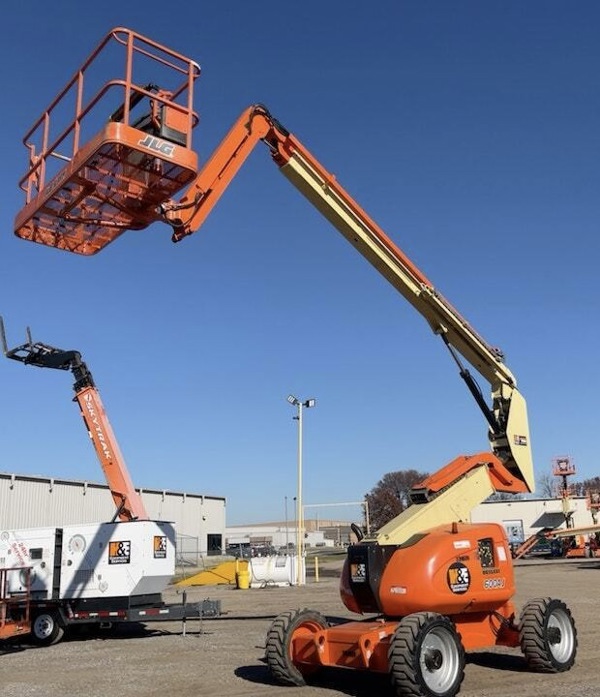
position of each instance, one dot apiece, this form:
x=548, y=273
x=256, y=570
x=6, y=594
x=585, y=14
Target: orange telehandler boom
x=128, y=501
x=437, y=584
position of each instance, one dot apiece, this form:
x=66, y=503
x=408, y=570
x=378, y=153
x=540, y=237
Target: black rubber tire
x=548, y=635
x=279, y=654
x=426, y=657
x=47, y=629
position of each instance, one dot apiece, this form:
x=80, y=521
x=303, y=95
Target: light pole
x=300, y=405
x=296, y=521
x=367, y=519
x=287, y=541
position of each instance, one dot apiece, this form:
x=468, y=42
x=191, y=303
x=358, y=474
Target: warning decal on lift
x=358, y=572
x=458, y=578
x=160, y=546
x=119, y=552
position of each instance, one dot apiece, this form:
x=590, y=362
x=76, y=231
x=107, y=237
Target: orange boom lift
x=127, y=500
x=433, y=584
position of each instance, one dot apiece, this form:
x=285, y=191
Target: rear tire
x=426, y=657
x=548, y=635
x=46, y=629
x=279, y=647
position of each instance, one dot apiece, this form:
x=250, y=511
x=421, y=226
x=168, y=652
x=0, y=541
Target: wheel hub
x=433, y=659
x=554, y=635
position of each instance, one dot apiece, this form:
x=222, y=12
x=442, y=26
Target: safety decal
x=119, y=552
x=358, y=572
x=160, y=546
x=458, y=578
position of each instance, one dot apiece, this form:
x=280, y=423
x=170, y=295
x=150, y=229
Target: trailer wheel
x=46, y=629
x=426, y=657
x=285, y=628
x=548, y=635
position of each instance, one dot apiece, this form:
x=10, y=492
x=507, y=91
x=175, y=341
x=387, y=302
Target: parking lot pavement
x=224, y=655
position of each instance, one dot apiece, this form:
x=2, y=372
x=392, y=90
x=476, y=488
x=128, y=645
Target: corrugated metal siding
x=33, y=502
x=28, y=502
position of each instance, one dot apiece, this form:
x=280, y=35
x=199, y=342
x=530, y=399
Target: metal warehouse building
x=31, y=502
x=525, y=517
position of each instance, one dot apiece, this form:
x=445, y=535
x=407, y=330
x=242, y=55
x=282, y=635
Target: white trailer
x=94, y=574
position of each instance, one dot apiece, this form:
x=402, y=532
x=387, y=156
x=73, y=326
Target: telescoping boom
x=127, y=500
x=471, y=479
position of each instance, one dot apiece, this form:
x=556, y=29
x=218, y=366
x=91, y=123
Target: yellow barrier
x=224, y=573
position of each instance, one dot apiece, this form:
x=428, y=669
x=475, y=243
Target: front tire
x=46, y=629
x=280, y=645
x=548, y=635
x=426, y=657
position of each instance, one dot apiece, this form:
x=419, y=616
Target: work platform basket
x=107, y=153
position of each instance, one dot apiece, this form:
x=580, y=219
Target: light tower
x=300, y=405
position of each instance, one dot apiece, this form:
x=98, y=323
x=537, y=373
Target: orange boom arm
x=127, y=500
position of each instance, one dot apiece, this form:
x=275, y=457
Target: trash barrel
x=242, y=578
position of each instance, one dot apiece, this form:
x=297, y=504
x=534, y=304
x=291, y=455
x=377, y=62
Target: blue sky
x=467, y=130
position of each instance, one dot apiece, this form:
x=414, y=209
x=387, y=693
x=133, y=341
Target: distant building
x=31, y=502
x=524, y=517
x=521, y=518
x=279, y=536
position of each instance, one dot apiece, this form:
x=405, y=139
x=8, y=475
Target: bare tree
x=546, y=485
x=391, y=495
x=592, y=484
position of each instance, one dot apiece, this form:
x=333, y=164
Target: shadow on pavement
x=498, y=661
x=347, y=682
